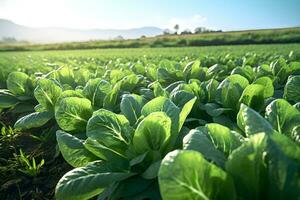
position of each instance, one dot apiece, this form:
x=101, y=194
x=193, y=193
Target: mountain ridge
x=59, y=34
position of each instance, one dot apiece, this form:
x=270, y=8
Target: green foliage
x=283, y=116
x=29, y=168
x=189, y=176
x=230, y=90
x=131, y=106
x=73, y=150
x=253, y=96
x=264, y=36
x=160, y=124
x=33, y=120
x=96, y=90
x=8, y=134
x=268, y=85
x=86, y=182
x=19, y=84
x=266, y=167
x=152, y=133
x=47, y=93
x=72, y=113
x=252, y=122
x=292, y=88
x=110, y=130
x=7, y=99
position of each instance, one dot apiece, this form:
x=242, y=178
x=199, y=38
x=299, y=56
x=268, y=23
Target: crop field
x=264, y=36
x=203, y=123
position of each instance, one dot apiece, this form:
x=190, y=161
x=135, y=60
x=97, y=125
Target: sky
x=124, y=14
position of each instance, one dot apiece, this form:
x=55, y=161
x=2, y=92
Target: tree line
x=197, y=30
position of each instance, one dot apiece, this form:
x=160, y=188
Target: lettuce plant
x=115, y=155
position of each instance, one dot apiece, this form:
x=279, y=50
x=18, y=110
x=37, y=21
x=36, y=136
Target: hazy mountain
x=42, y=35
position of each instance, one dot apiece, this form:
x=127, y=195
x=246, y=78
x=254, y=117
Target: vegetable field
x=168, y=123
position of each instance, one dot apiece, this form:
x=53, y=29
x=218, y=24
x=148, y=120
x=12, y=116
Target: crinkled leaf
x=19, y=84
x=158, y=90
x=211, y=89
x=245, y=71
x=247, y=167
x=282, y=116
x=222, y=138
x=110, y=100
x=292, y=89
x=110, y=129
x=253, y=96
x=268, y=86
x=153, y=133
x=283, y=166
x=72, y=113
x=165, y=105
x=47, y=93
x=96, y=90
x=106, y=153
x=252, y=122
x=230, y=90
x=198, y=141
x=69, y=93
x=187, y=175
x=131, y=106
x=65, y=76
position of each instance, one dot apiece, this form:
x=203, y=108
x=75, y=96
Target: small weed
x=30, y=168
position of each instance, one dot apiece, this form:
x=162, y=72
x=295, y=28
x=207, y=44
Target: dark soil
x=15, y=184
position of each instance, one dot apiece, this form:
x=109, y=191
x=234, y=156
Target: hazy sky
x=217, y=14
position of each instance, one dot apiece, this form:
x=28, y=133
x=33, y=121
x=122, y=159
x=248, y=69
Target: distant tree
x=176, y=27
x=200, y=30
x=167, y=32
x=205, y=30
x=143, y=36
x=9, y=40
x=186, y=32
x=119, y=37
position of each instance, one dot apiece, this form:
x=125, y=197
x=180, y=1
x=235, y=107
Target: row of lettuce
x=170, y=131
